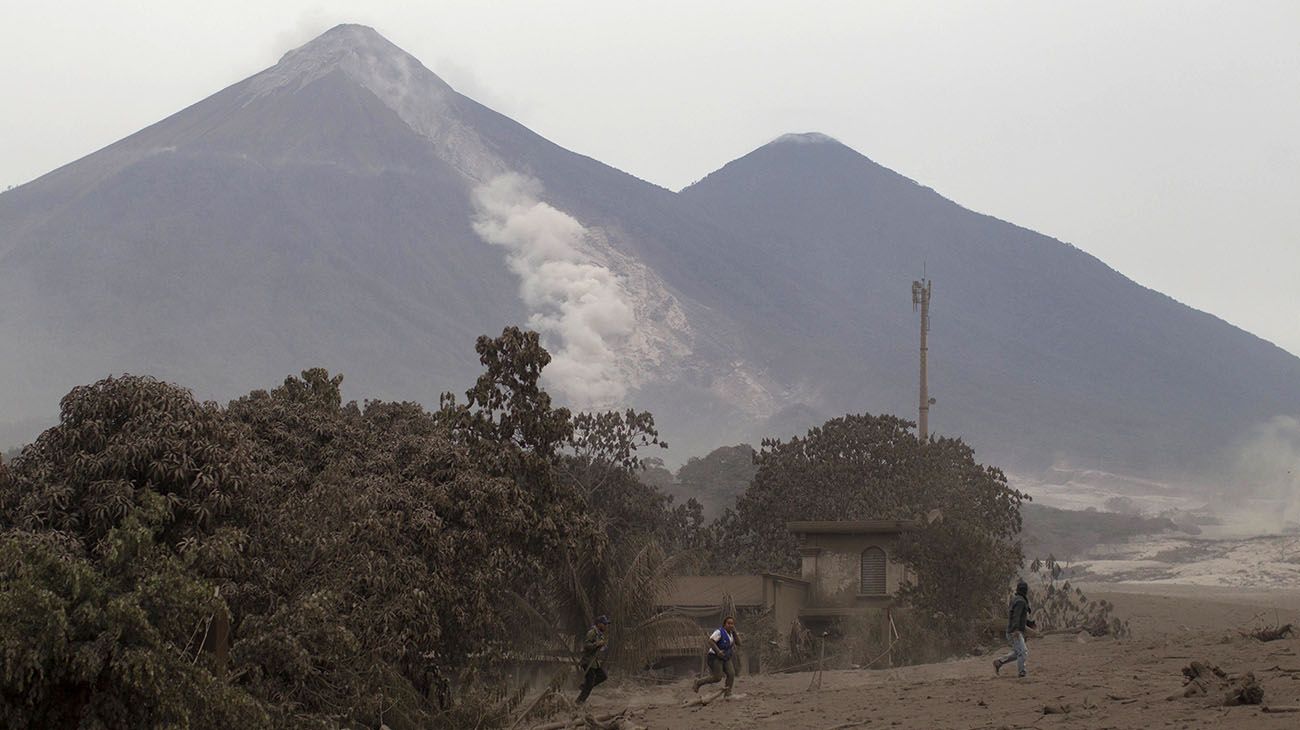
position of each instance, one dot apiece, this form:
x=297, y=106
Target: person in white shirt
x=722, y=656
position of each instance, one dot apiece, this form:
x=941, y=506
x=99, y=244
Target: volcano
x=347, y=208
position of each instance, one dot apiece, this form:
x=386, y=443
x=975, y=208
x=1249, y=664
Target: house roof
x=694, y=591
x=851, y=527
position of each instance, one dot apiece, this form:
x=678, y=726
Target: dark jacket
x=1019, y=614
x=592, y=648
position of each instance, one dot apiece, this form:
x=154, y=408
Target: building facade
x=846, y=568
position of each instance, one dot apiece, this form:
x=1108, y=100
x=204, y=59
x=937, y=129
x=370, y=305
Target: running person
x=721, y=657
x=593, y=649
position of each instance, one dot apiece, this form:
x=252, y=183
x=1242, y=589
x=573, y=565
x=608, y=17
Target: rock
x=1244, y=690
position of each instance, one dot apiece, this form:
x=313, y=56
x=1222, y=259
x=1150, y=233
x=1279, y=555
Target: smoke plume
x=578, y=303
x=1268, y=467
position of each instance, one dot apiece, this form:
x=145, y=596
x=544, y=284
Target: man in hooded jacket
x=593, y=649
x=1017, y=622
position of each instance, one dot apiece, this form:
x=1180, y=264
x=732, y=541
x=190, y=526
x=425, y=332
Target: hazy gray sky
x=1163, y=137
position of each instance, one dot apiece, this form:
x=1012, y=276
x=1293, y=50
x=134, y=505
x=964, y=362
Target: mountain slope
x=274, y=237
x=1038, y=350
x=323, y=212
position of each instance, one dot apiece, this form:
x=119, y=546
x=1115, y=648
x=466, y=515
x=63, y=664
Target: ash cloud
x=575, y=303
x=1268, y=468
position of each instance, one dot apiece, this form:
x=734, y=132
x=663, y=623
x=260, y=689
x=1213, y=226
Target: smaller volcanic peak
x=808, y=148
x=807, y=165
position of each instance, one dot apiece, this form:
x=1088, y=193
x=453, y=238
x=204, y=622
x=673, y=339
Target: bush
x=1060, y=606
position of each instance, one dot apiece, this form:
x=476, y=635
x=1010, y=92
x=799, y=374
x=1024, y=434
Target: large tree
x=873, y=467
x=120, y=525
x=382, y=554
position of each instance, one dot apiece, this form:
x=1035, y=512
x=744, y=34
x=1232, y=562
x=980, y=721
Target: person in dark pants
x=593, y=648
x=722, y=656
x=1017, y=622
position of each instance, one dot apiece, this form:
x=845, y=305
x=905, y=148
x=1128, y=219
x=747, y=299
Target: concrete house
x=849, y=565
x=846, y=568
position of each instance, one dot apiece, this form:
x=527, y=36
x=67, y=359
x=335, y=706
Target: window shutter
x=873, y=571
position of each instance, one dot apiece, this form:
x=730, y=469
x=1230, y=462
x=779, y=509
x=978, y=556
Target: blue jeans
x=1019, y=652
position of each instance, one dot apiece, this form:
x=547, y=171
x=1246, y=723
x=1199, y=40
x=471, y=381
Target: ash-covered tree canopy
x=874, y=467
x=357, y=559
x=291, y=560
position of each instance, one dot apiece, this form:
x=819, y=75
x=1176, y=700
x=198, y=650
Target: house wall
x=837, y=568
x=786, y=598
